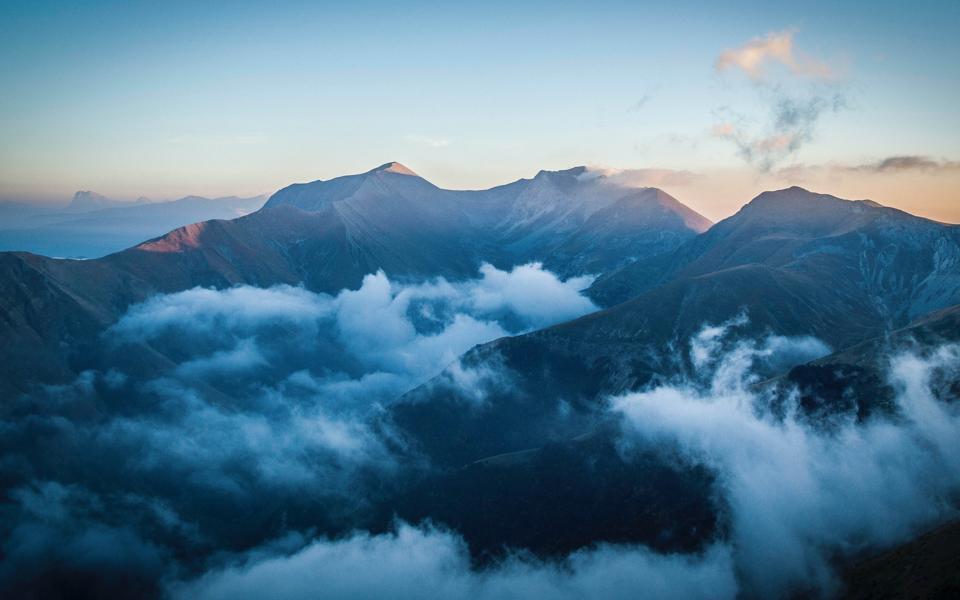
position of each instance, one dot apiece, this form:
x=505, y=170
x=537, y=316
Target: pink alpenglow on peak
x=396, y=168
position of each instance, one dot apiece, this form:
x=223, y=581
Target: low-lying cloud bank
x=428, y=563
x=211, y=421
x=246, y=389
x=224, y=447
x=800, y=496
x=361, y=346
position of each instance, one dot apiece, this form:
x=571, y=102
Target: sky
x=713, y=102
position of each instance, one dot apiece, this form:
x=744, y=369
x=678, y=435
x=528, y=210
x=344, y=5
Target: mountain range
x=793, y=262
x=327, y=235
x=538, y=464
x=798, y=263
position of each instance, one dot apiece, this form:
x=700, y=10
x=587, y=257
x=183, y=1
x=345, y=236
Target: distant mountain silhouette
x=100, y=228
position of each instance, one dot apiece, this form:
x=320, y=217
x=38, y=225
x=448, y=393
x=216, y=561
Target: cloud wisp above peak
x=643, y=100
x=640, y=178
x=795, y=98
x=756, y=57
x=792, y=122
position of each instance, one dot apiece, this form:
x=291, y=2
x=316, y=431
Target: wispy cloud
x=421, y=562
x=792, y=124
x=775, y=48
x=907, y=162
x=790, y=484
x=643, y=177
x=640, y=103
x=797, y=96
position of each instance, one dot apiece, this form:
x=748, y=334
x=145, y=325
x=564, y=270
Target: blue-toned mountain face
x=540, y=386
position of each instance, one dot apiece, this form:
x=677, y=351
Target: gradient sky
x=714, y=102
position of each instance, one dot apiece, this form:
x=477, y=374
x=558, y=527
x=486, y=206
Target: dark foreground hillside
x=928, y=567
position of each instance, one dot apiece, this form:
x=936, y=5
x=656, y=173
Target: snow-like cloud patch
x=800, y=496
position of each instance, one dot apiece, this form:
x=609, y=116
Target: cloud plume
x=798, y=495
x=226, y=445
x=755, y=58
x=428, y=563
x=793, y=118
x=796, y=98
x=213, y=420
x=643, y=177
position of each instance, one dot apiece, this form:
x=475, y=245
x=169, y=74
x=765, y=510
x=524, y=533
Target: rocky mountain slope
x=328, y=235
x=544, y=424
x=928, y=567
x=885, y=264
x=790, y=263
x=574, y=221
x=518, y=446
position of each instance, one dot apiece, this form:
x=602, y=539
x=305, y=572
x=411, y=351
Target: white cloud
x=798, y=95
x=536, y=295
x=793, y=119
x=295, y=436
x=639, y=178
x=239, y=308
x=426, y=563
x=299, y=373
x=799, y=496
x=242, y=357
x=777, y=47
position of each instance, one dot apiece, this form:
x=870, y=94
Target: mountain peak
x=87, y=195
x=394, y=167
x=808, y=213
x=571, y=172
x=796, y=197
x=318, y=194
x=793, y=197
x=87, y=200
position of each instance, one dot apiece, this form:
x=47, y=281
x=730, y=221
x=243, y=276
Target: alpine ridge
x=294, y=325
x=790, y=263
x=327, y=235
